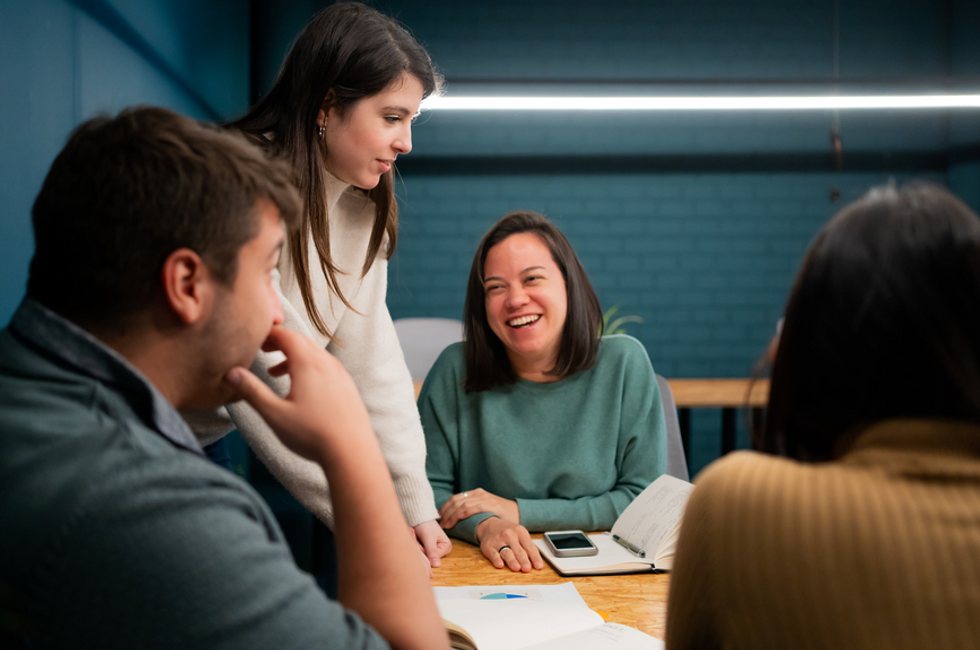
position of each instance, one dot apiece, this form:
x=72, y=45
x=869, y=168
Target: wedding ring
x=501, y=549
x=465, y=494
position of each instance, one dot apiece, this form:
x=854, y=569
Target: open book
x=535, y=625
x=650, y=523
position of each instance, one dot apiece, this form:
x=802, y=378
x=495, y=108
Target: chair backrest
x=676, y=460
x=422, y=339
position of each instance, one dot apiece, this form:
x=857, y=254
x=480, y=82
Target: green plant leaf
x=610, y=326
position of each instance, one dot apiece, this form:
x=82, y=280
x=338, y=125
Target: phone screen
x=570, y=541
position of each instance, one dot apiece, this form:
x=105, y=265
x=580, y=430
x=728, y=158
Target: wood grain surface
x=637, y=600
x=719, y=393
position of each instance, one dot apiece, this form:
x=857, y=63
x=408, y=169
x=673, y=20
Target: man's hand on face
x=323, y=408
x=323, y=419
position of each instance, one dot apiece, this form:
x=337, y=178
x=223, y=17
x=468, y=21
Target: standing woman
x=340, y=113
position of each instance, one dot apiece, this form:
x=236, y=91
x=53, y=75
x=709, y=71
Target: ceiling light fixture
x=731, y=103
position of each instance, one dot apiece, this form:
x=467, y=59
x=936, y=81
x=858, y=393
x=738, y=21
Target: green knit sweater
x=573, y=453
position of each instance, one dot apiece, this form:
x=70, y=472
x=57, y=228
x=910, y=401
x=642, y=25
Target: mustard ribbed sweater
x=880, y=549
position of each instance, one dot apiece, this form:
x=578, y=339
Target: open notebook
x=651, y=523
x=535, y=625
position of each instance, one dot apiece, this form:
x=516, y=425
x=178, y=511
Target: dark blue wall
x=62, y=62
x=696, y=223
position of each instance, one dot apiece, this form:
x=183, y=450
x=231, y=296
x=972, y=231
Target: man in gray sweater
x=150, y=290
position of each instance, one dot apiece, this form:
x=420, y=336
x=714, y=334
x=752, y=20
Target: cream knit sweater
x=367, y=345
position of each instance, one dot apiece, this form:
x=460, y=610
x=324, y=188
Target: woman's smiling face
x=526, y=302
x=363, y=141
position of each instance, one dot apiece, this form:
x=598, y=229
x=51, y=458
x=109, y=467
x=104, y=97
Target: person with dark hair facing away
x=151, y=290
x=859, y=525
x=340, y=113
x=534, y=422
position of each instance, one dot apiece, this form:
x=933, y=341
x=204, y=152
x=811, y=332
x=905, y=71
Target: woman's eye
x=393, y=119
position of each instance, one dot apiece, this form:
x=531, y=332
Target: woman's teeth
x=523, y=320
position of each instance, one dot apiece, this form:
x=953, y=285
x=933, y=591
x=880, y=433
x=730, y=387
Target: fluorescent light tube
x=734, y=103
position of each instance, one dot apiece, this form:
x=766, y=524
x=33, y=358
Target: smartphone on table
x=570, y=543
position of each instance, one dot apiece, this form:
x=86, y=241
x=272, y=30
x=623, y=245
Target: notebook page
x=610, y=636
x=653, y=513
x=519, y=623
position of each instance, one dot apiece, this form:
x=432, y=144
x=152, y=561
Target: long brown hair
x=487, y=363
x=883, y=322
x=355, y=52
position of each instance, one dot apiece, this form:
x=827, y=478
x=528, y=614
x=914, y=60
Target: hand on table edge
x=496, y=533
x=434, y=542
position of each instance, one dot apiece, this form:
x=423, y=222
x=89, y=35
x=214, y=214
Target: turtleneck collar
x=335, y=189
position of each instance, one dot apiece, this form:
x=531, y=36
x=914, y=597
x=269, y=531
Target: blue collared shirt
x=67, y=344
x=115, y=531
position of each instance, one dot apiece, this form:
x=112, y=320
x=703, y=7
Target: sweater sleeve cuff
x=466, y=529
x=416, y=499
x=534, y=516
x=540, y=515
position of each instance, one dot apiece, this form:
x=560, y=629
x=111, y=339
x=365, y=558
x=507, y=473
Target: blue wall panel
x=37, y=67
x=62, y=62
x=206, y=43
x=99, y=51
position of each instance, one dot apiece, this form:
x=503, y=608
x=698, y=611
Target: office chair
x=676, y=458
x=422, y=339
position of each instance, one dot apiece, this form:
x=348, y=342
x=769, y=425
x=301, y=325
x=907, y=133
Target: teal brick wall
x=696, y=223
x=705, y=260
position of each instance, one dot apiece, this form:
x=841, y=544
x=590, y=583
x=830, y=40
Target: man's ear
x=188, y=285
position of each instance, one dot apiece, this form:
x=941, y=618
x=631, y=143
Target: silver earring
x=320, y=131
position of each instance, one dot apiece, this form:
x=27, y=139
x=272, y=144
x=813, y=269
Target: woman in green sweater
x=534, y=422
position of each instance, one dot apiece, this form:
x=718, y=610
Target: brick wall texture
x=706, y=253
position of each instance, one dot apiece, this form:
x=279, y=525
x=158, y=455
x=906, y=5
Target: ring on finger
x=464, y=494
x=501, y=549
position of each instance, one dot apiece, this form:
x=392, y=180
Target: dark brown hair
x=487, y=363
x=125, y=192
x=355, y=52
x=883, y=322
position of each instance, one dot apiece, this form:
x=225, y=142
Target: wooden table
x=638, y=600
x=726, y=394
